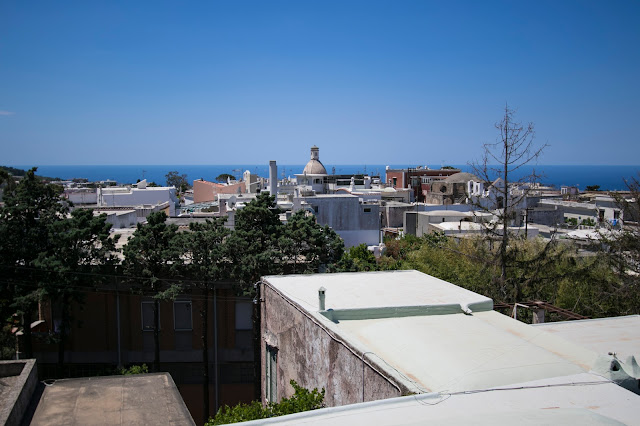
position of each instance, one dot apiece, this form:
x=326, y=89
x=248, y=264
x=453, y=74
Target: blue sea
x=608, y=177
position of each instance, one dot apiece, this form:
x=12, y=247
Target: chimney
x=273, y=179
x=321, y=292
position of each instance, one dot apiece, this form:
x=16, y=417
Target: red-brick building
x=419, y=179
x=111, y=329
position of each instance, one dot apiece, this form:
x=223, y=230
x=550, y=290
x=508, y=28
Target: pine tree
x=152, y=261
x=30, y=208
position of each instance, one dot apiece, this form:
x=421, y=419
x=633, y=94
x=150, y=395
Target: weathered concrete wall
x=356, y=223
x=393, y=214
x=19, y=379
x=546, y=216
x=308, y=354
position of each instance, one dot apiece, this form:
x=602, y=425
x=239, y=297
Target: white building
x=373, y=337
x=356, y=222
x=351, y=210
x=141, y=195
x=313, y=176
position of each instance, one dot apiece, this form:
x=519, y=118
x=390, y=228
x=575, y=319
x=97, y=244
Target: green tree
x=207, y=264
x=177, y=180
x=359, y=258
x=152, y=261
x=7, y=180
x=81, y=248
x=397, y=250
x=308, y=247
x=30, y=208
x=621, y=245
x=253, y=250
x=224, y=177
x=254, y=245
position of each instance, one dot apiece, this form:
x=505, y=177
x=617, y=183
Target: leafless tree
x=500, y=162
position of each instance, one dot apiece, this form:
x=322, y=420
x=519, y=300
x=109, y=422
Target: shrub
x=302, y=400
x=134, y=369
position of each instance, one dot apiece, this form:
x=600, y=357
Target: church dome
x=314, y=166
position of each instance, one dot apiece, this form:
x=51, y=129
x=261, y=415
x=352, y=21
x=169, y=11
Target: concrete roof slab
x=113, y=400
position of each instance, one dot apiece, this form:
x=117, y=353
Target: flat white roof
x=458, y=352
x=454, y=213
x=327, y=196
x=374, y=290
x=603, y=335
x=414, y=327
x=583, y=399
x=456, y=226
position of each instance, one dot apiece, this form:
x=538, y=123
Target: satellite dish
x=231, y=201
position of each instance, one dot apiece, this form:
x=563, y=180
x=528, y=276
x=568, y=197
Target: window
x=271, y=365
x=244, y=313
x=56, y=317
x=147, y=316
x=182, y=319
x=367, y=209
x=395, y=181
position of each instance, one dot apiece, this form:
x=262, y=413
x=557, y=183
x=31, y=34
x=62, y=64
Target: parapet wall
x=19, y=381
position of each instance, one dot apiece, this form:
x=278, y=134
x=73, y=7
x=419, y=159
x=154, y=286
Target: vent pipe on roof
x=465, y=308
x=321, y=292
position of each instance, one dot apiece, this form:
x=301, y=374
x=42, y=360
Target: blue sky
x=369, y=82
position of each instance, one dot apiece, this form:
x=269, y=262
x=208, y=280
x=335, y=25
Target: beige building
x=451, y=190
x=204, y=191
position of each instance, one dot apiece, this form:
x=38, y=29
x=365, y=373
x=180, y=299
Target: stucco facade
x=141, y=196
x=355, y=222
x=315, y=357
x=204, y=191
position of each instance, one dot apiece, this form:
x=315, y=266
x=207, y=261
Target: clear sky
x=369, y=82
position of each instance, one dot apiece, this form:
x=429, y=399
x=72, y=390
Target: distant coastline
x=608, y=177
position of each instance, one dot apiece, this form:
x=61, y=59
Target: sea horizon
x=608, y=177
